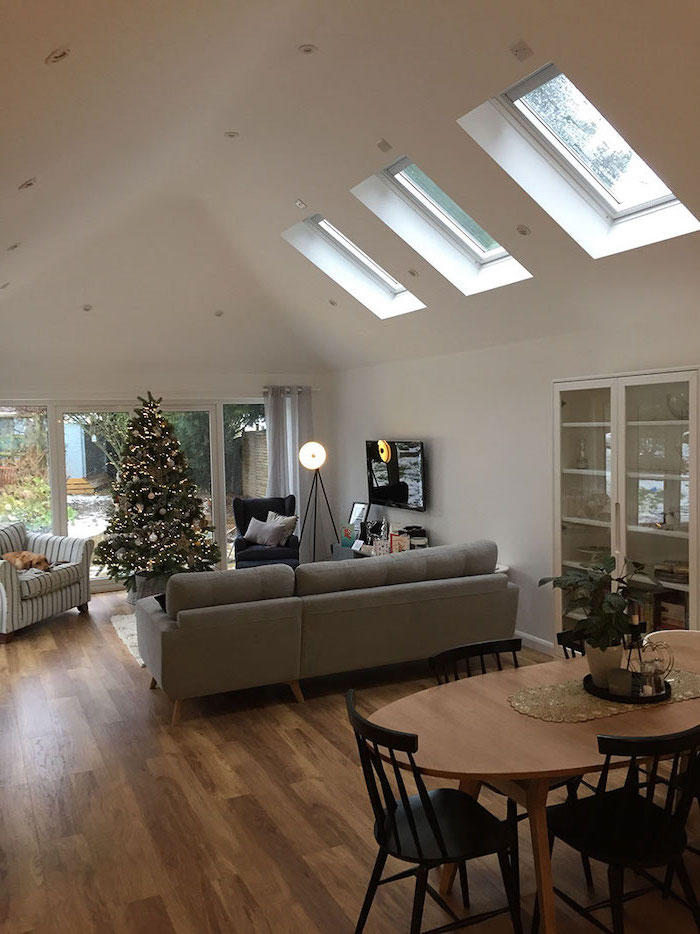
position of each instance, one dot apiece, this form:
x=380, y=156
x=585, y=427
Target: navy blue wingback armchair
x=250, y=555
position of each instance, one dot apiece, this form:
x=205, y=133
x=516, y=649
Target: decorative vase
x=602, y=661
x=147, y=587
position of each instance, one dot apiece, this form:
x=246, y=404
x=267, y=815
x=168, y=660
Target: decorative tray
x=624, y=698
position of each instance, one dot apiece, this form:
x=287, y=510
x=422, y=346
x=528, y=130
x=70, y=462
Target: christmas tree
x=158, y=526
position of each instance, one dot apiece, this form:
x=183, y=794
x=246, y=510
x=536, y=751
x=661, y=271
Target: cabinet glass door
x=586, y=480
x=657, y=493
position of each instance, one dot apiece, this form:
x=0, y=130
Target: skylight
x=450, y=217
x=591, y=149
x=359, y=256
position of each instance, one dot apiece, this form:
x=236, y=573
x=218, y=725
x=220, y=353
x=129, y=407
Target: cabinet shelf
x=585, y=424
x=587, y=471
x=640, y=578
x=575, y=520
x=662, y=423
x=650, y=530
x=656, y=475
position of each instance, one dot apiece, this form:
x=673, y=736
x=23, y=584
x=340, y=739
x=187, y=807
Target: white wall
x=486, y=418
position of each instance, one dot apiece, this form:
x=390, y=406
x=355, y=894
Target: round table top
x=467, y=729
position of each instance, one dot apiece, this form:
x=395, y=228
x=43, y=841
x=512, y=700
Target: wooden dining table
x=468, y=731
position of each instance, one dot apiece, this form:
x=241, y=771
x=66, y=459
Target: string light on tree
x=154, y=483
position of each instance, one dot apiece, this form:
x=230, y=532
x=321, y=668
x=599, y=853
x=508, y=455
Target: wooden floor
x=250, y=815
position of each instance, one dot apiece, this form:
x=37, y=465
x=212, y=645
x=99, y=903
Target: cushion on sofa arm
x=218, y=588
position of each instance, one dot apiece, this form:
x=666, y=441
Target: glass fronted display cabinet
x=625, y=485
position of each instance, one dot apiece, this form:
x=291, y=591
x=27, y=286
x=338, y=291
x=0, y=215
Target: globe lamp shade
x=312, y=455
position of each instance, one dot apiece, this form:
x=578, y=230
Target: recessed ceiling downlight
x=58, y=55
x=218, y=313
x=28, y=183
x=87, y=307
x=4, y=285
x=231, y=134
x=308, y=48
x=12, y=246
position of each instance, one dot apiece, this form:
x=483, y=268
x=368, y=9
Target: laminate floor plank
x=250, y=816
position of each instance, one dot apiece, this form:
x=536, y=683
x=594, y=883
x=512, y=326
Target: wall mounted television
x=396, y=474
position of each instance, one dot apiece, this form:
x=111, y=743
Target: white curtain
x=289, y=425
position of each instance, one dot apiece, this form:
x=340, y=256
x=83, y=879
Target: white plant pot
x=602, y=661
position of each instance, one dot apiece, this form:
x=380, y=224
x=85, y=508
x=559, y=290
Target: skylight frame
x=357, y=256
x=436, y=215
x=529, y=123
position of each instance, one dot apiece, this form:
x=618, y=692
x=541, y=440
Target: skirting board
x=539, y=645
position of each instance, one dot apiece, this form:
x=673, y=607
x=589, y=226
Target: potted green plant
x=607, y=609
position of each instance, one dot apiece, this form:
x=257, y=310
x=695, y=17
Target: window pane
x=25, y=495
x=245, y=451
x=596, y=143
x=92, y=443
x=192, y=431
x=443, y=201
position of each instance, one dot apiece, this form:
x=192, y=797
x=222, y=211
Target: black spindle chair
x=427, y=829
x=447, y=667
x=448, y=664
x=572, y=642
x=626, y=828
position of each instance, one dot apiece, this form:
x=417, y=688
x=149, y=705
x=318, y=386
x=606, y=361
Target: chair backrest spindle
x=446, y=665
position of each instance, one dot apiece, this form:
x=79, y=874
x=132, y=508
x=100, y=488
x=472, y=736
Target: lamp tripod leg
x=308, y=504
x=325, y=496
x=315, y=511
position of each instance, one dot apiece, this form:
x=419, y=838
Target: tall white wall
x=486, y=418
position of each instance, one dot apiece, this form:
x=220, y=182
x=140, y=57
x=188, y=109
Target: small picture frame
x=358, y=513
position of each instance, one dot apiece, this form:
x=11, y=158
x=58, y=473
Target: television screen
x=396, y=474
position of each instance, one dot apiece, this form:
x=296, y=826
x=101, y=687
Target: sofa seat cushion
x=221, y=588
x=35, y=583
x=441, y=563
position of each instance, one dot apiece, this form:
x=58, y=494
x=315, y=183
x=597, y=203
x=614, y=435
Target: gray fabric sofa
x=226, y=630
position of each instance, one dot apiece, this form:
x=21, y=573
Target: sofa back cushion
x=441, y=563
x=13, y=538
x=220, y=588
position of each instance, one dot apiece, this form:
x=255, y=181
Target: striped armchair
x=29, y=596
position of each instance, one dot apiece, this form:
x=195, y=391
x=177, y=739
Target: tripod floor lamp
x=312, y=456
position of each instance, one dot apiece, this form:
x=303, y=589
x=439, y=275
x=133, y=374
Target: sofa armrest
x=9, y=598
x=292, y=542
x=151, y=625
x=240, y=543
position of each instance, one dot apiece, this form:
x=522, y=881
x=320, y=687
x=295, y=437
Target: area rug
x=125, y=627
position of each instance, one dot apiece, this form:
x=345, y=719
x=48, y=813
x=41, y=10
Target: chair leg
x=419, y=900
x=586, y=863
x=177, y=709
x=83, y=607
x=616, y=880
x=6, y=637
x=512, y=819
x=511, y=890
x=379, y=864
x=153, y=685
x=688, y=890
x=296, y=691
x=464, y=882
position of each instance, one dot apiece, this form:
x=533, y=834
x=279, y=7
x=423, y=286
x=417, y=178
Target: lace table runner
x=569, y=702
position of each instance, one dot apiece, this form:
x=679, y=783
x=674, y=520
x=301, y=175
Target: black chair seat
x=619, y=829
x=468, y=830
x=260, y=553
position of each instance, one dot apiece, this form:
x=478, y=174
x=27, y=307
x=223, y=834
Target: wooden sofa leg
x=177, y=709
x=153, y=684
x=296, y=691
x=6, y=637
x=83, y=608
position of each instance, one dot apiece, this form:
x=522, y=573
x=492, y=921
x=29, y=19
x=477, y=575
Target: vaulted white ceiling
x=144, y=209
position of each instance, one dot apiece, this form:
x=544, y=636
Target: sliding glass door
x=58, y=463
